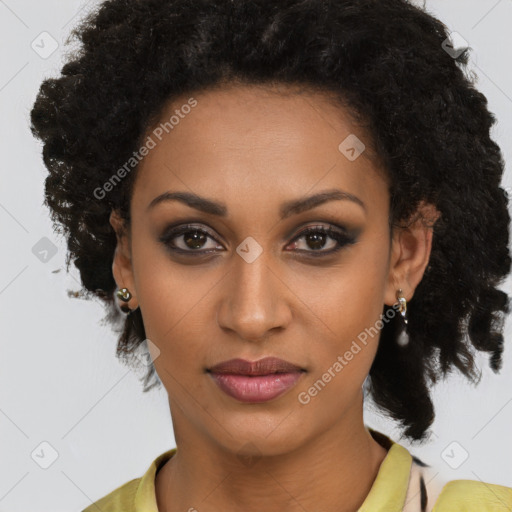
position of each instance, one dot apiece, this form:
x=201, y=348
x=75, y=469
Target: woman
x=294, y=203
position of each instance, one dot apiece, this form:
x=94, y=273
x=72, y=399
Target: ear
x=122, y=262
x=410, y=253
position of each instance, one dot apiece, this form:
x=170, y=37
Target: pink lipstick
x=257, y=381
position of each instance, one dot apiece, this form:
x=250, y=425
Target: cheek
x=173, y=321
x=348, y=299
x=166, y=300
x=342, y=359
x=175, y=302
x=345, y=316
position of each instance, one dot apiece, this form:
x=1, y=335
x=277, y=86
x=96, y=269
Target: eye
x=193, y=238
x=315, y=237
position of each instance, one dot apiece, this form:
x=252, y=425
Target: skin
x=253, y=148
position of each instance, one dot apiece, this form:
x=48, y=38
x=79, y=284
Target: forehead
x=248, y=140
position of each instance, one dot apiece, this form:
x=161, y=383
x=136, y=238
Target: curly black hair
x=388, y=62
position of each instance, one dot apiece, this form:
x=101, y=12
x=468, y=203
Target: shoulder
x=429, y=492
x=473, y=496
x=135, y=495
x=121, y=499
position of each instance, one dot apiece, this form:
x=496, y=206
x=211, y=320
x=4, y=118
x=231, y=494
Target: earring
x=403, y=337
x=125, y=295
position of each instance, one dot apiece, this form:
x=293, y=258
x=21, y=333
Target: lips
x=265, y=366
x=257, y=381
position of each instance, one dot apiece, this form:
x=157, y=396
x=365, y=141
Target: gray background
x=61, y=384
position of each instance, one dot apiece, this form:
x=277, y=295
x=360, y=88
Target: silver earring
x=403, y=337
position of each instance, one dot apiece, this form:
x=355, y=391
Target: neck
x=334, y=471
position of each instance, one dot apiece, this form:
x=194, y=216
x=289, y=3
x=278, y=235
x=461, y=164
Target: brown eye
x=193, y=240
x=315, y=239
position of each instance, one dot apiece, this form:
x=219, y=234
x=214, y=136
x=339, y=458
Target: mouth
x=258, y=381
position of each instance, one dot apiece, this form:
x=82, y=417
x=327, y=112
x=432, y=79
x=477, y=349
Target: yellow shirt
x=394, y=489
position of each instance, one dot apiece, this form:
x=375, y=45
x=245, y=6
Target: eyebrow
x=287, y=209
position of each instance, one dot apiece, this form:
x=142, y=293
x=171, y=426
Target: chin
x=263, y=437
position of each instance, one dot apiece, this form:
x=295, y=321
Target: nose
x=255, y=300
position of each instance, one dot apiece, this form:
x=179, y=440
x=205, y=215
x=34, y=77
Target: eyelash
x=340, y=237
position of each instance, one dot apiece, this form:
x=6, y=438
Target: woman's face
x=249, y=285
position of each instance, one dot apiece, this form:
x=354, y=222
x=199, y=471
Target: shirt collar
x=389, y=488
x=145, y=496
x=388, y=491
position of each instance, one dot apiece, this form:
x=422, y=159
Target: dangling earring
x=403, y=337
x=125, y=295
